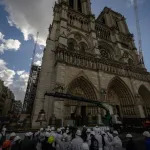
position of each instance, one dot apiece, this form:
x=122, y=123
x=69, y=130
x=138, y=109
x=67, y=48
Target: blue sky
x=20, y=21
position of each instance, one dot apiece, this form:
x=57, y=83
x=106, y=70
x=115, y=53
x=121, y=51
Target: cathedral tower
x=91, y=58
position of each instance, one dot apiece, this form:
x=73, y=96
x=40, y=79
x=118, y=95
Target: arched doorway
x=121, y=98
x=80, y=87
x=145, y=97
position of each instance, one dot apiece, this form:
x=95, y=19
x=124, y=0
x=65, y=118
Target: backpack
x=94, y=144
x=103, y=141
x=2, y=139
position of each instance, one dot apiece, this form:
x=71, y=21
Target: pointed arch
x=125, y=99
x=145, y=97
x=82, y=87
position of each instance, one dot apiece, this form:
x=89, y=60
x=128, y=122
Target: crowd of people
x=69, y=138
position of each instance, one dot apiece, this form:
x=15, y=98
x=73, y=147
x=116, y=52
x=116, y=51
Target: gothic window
x=71, y=3
x=83, y=47
x=71, y=44
x=79, y=6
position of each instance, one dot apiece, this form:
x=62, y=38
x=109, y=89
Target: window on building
x=83, y=47
x=71, y=3
x=79, y=6
x=71, y=44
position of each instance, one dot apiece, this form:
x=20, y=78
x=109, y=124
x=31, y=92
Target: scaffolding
x=31, y=89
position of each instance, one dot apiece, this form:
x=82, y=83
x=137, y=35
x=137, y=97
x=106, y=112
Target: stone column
x=99, y=119
x=139, y=105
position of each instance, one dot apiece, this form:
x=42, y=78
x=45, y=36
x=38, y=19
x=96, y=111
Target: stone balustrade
x=89, y=61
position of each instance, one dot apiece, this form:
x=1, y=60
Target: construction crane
x=141, y=61
x=27, y=100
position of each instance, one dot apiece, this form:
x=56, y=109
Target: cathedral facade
x=94, y=58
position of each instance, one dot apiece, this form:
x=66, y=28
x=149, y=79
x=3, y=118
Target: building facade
x=31, y=89
x=17, y=107
x=6, y=99
x=94, y=58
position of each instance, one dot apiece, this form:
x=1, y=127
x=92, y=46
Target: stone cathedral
x=94, y=58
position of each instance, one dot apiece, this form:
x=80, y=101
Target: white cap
x=30, y=133
x=58, y=130
x=103, y=133
x=115, y=132
x=84, y=126
x=78, y=133
x=146, y=134
x=129, y=136
x=12, y=134
x=17, y=138
x=27, y=134
x=53, y=128
x=41, y=129
x=88, y=130
x=65, y=135
x=92, y=133
x=36, y=133
x=85, y=146
x=47, y=134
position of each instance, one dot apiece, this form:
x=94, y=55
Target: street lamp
x=41, y=117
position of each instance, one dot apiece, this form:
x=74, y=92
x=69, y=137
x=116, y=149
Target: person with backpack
x=77, y=141
x=16, y=143
x=6, y=145
x=94, y=142
x=130, y=145
x=116, y=143
x=45, y=144
x=27, y=143
x=99, y=138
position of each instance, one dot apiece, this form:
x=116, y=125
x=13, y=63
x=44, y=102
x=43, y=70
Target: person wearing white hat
x=77, y=141
x=85, y=146
x=146, y=134
x=88, y=132
x=116, y=143
x=27, y=143
x=130, y=145
x=94, y=142
x=12, y=136
x=16, y=143
x=44, y=144
x=58, y=138
x=98, y=137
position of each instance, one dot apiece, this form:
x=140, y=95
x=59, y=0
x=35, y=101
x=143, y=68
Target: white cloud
x=39, y=55
x=38, y=63
x=9, y=44
x=20, y=72
x=31, y=16
x=16, y=81
x=38, y=59
x=6, y=74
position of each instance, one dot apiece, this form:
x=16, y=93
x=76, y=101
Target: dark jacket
x=147, y=143
x=16, y=145
x=46, y=145
x=130, y=145
x=28, y=144
x=94, y=144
